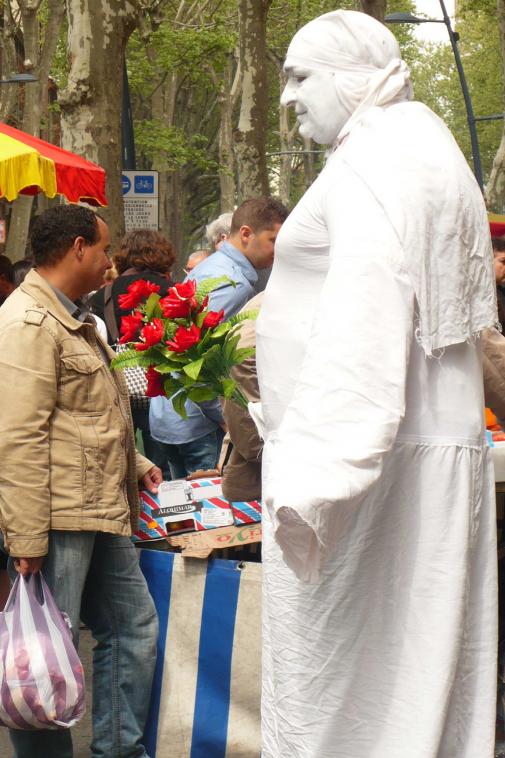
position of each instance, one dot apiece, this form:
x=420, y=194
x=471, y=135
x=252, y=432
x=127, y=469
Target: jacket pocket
x=92, y=477
x=82, y=388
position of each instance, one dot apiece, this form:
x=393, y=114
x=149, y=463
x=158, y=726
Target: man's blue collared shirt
x=230, y=262
x=165, y=424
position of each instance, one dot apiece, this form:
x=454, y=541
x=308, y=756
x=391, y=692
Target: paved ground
x=82, y=732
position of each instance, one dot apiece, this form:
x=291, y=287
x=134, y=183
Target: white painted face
x=314, y=95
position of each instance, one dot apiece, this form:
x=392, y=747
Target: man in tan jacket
x=69, y=477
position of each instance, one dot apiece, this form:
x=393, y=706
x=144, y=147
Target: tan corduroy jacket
x=242, y=447
x=67, y=453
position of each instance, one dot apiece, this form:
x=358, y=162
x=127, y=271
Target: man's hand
x=25, y=566
x=151, y=480
x=201, y=474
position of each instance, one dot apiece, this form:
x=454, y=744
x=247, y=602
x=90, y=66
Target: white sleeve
x=350, y=396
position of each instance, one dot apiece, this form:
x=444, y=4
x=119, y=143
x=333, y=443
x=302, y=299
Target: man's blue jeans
x=96, y=577
x=189, y=457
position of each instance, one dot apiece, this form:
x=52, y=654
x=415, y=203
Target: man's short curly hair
x=54, y=232
x=145, y=249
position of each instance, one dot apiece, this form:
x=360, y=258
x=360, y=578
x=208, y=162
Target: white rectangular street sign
x=140, y=196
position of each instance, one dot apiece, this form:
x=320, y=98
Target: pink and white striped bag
x=41, y=676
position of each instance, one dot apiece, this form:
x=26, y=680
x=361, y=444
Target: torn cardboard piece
x=201, y=544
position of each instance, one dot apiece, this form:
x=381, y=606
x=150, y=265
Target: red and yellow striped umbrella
x=496, y=224
x=29, y=165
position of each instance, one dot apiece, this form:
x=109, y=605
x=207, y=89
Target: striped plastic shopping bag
x=206, y=694
x=41, y=676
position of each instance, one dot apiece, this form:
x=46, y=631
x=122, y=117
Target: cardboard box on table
x=195, y=517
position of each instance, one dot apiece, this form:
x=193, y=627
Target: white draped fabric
x=379, y=523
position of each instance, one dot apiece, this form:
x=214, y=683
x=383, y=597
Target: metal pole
x=466, y=94
x=128, y=138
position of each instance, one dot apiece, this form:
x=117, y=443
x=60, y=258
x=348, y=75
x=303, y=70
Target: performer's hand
x=25, y=566
x=152, y=479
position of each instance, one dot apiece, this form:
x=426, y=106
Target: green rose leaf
x=153, y=309
x=201, y=394
x=179, y=403
x=228, y=387
x=222, y=329
x=193, y=369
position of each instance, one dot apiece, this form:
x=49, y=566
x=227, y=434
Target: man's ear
x=78, y=247
x=245, y=233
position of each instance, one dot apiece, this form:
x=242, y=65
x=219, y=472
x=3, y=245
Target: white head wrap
x=363, y=53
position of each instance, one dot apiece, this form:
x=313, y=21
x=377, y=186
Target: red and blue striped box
x=204, y=509
x=246, y=513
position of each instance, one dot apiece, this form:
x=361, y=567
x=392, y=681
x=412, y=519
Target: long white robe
x=379, y=527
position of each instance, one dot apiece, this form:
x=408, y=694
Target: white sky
x=434, y=32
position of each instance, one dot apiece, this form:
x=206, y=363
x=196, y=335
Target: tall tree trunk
x=91, y=103
x=35, y=95
x=286, y=142
x=375, y=8
x=9, y=63
x=309, y=163
x=227, y=98
x=174, y=210
x=251, y=134
x=495, y=190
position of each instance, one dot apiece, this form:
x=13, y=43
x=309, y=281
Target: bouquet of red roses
x=186, y=350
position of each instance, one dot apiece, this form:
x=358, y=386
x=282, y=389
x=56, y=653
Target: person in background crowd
x=195, y=258
x=110, y=275
x=195, y=444
x=219, y=230
x=21, y=268
x=499, y=267
x=6, y=278
x=493, y=343
x=68, y=457
x=248, y=249
x=143, y=254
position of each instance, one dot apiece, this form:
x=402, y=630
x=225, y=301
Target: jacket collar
x=45, y=297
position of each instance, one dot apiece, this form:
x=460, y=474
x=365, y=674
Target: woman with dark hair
x=143, y=254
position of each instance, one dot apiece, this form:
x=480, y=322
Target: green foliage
x=170, y=147
x=243, y=316
x=207, y=286
x=153, y=309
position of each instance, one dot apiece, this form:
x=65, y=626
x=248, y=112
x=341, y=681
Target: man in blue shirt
x=194, y=443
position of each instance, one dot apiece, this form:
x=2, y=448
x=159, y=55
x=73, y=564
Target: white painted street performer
x=379, y=538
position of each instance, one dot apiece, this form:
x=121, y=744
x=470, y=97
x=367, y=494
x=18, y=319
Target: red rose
x=130, y=326
x=184, y=339
x=174, y=307
x=137, y=291
x=154, y=383
x=184, y=290
x=180, y=300
x=204, y=304
x=212, y=319
x=151, y=334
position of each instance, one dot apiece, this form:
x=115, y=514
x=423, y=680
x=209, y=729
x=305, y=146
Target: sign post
x=140, y=196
